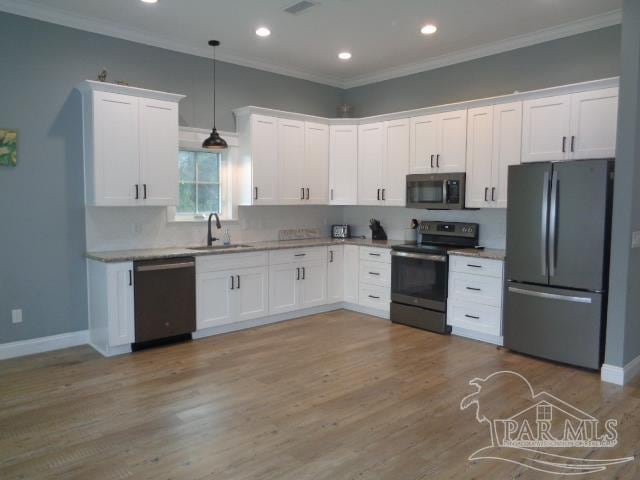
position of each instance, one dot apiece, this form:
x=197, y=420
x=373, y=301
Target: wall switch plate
x=635, y=240
x=16, y=316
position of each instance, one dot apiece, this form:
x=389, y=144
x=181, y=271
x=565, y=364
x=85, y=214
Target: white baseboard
x=43, y=344
x=111, y=351
x=482, y=337
x=620, y=375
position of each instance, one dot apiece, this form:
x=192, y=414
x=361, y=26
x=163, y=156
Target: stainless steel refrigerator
x=558, y=244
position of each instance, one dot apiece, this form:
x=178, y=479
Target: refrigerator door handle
x=544, y=224
x=553, y=223
x=550, y=296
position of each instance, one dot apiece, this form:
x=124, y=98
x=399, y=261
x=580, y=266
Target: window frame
x=197, y=182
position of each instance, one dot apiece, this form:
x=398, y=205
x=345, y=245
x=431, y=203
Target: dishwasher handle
x=164, y=266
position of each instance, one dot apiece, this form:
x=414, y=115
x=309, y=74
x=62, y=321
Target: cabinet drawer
x=472, y=316
x=230, y=261
x=375, y=254
x=374, y=296
x=475, y=288
x=375, y=273
x=297, y=255
x=476, y=266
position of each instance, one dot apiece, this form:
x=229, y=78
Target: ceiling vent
x=299, y=7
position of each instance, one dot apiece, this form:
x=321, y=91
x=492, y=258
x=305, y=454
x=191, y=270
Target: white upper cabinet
x=291, y=162
x=594, y=124
x=396, y=163
x=493, y=144
x=130, y=145
x=575, y=126
x=316, y=170
x=371, y=145
x=439, y=142
x=258, y=160
x=343, y=165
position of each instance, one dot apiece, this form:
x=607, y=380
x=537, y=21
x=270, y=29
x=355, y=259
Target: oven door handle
x=420, y=256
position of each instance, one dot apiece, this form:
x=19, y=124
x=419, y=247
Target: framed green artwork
x=8, y=148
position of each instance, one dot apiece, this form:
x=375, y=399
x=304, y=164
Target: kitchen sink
x=219, y=247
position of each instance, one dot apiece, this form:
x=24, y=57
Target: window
x=545, y=412
x=199, y=189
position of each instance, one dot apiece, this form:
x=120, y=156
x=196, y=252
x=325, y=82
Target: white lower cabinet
x=351, y=271
x=474, y=307
x=374, y=289
x=231, y=295
x=335, y=274
x=111, y=306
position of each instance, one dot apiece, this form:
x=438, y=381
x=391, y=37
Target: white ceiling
x=383, y=35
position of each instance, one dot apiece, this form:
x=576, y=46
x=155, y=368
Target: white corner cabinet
x=343, y=164
x=130, y=145
x=579, y=125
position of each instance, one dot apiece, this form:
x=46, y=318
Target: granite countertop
x=159, y=253
x=489, y=253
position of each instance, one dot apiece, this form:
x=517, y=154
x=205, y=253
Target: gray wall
x=589, y=56
x=42, y=233
x=623, y=331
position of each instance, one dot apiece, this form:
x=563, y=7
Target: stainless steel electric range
x=419, y=274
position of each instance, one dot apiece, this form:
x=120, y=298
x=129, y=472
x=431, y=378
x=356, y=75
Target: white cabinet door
x=507, y=146
x=116, y=149
x=264, y=160
x=343, y=165
x=396, y=164
x=120, y=304
x=351, y=272
x=371, y=141
x=158, y=152
x=284, y=285
x=546, y=129
x=479, y=157
x=335, y=274
x=594, y=122
x=251, y=293
x=451, y=156
x=316, y=141
x=291, y=162
x=313, y=291
x=424, y=144
x=215, y=298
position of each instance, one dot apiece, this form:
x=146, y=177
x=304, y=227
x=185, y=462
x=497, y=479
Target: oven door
x=419, y=279
x=436, y=192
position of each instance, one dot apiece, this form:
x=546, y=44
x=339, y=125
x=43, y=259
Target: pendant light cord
x=214, y=88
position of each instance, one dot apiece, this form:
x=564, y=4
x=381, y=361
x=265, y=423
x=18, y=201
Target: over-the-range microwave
x=436, y=191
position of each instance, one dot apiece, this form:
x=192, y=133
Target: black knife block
x=377, y=232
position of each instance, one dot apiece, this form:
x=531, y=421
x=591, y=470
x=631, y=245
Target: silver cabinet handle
x=374, y=254
x=330, y=256
x=493, y=194
x=473, y=266
x=255, y=196
x=300, y=255
x=544, y=224
x=550, y=296
x=553, y=223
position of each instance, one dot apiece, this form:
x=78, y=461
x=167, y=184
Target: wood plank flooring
x=333, y=396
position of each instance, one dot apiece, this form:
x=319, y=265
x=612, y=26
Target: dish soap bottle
x=226, y=238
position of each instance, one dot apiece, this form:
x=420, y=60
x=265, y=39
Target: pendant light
x=215, y=141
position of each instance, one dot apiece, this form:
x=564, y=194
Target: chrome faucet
x=210, y=238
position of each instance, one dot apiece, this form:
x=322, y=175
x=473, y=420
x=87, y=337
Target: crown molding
x=541, y=36
x=27, y=8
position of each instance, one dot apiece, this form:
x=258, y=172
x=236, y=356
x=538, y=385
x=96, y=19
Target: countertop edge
x=489, y=254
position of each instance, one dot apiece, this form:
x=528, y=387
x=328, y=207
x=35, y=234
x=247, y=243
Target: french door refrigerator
x=558, y=243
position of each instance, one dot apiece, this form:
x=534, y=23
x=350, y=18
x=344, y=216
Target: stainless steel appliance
x=341, y=231
x=419, y=274
x=164, y=299
x=558, y=243
x=438, y=191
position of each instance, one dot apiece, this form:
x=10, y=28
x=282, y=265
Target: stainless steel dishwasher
x=165, y=300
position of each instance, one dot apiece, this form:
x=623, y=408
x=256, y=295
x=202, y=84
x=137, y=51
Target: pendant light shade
x=215, y=141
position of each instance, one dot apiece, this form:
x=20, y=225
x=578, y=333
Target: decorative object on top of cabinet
x=343, y=165
x=493, y=144
x=102, y=76
x=438, y=142
x=130, y=145
x=570, y=127
x=383, y=163
x=345, y=111
x=8, y=148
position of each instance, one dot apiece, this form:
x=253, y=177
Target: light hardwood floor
x=334, y=396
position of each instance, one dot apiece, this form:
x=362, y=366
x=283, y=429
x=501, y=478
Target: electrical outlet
x=635, y=240
x=16, y=315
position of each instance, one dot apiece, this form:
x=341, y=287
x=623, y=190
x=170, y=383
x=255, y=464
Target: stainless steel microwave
x=437, y=191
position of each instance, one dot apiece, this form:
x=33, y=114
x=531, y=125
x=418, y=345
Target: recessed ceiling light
x=429, y=29
x=150, y=1
x=344, y=55
x=263, y=32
